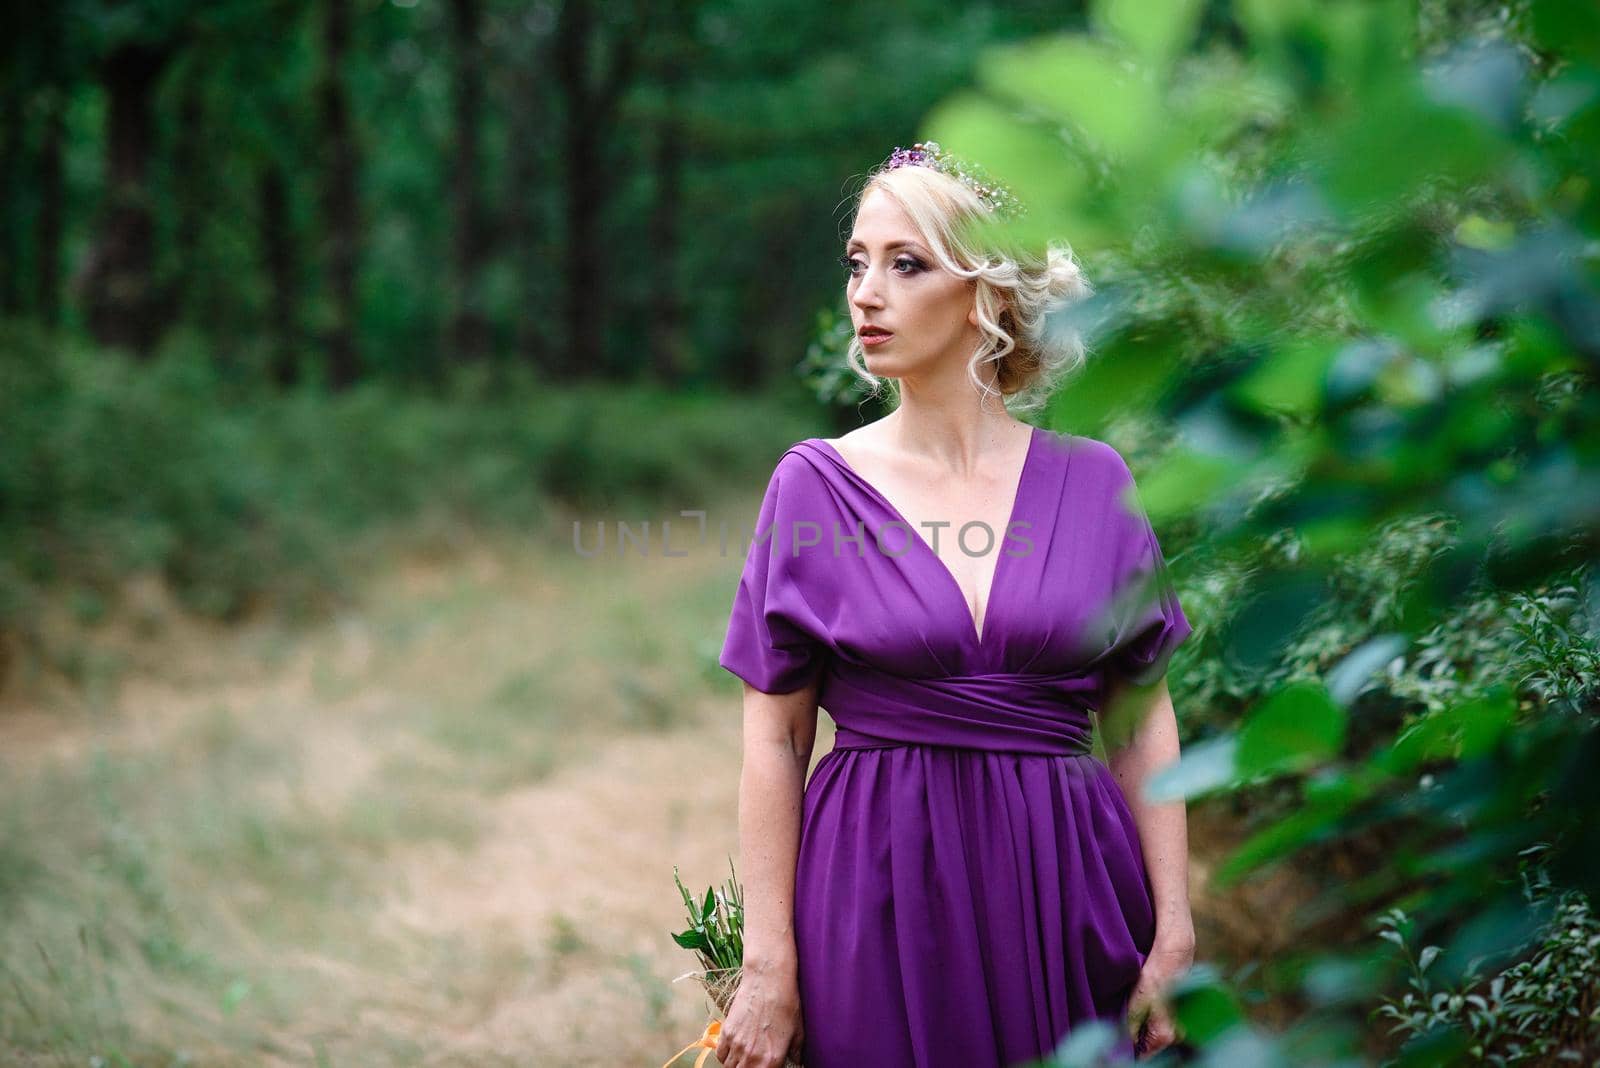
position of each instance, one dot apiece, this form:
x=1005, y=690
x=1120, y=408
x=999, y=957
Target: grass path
x=437, y=829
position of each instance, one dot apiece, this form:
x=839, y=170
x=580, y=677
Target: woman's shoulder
x=1091, y=456
x=799, y=467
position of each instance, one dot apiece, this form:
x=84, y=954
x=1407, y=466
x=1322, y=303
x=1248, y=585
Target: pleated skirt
x=964, y=907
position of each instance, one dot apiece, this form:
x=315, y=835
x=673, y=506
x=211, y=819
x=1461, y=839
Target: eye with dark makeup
x=916, y=266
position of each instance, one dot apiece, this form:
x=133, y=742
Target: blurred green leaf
x=1205, y=1011
x=1291, y=380
x=1566, y=27
x=1158, y=30
x=1032, y=159
x=1202, y=768
x=1296, y=727
x=1097, y=89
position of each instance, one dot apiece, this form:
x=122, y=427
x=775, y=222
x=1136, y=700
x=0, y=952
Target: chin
x=885, y=365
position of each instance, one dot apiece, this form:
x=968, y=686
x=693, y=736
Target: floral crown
x=992, y=192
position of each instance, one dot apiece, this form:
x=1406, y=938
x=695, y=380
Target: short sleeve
x=775, y=642
x=1152, y=623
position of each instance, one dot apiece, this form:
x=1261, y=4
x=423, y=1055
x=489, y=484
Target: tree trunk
x=192, y=192
x=668, y=345
x=579, y=350
x=590, y=106
x=277, y=252
x=340, y=206
x=121, y=299
x=13, y=149
x=528, y=232
x=47, y=231
x=470, y=335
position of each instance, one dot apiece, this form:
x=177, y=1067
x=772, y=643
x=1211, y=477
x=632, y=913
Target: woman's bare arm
x=1141, y=738
x=779, y=731
x=764, y=1025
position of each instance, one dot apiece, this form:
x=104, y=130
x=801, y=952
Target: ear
x=972, y=313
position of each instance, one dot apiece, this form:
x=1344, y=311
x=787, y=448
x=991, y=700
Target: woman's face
x=895, y=284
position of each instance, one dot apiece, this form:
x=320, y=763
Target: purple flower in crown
x=916, y=155
x=928, y=154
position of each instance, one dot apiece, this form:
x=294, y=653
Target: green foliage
x=826, y=370
x=716, y=924
x=239, y=496
x=1527, y=1013
x=716, y=935
x=1345, y=279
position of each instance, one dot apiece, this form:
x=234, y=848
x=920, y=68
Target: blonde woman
x=961, y=881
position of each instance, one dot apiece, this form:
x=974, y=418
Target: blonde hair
x=1016, y=289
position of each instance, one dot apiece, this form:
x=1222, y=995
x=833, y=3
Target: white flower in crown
x=992, y=192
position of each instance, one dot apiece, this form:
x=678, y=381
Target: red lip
x=870, y=329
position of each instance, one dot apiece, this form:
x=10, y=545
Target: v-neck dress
x=970, y=883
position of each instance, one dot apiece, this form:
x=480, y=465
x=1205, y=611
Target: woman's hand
x=1150, y=1018
x=763, y=1028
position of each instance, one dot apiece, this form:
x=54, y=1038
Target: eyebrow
x=855, y=243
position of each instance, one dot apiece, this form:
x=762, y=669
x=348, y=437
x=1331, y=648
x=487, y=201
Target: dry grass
x=438, y=829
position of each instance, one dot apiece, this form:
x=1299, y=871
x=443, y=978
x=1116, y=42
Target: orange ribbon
x=708, y=1039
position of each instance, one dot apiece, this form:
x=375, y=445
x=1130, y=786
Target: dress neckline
x=979, y=638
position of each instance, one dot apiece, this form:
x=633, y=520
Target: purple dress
x=969, y=884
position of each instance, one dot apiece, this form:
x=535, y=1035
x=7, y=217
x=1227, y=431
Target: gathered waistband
x=1008, y=713
x=847, y=739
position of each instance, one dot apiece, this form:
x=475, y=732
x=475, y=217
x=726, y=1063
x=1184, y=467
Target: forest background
x=322, y=321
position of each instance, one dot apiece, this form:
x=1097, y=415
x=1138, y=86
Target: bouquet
x=716, y=935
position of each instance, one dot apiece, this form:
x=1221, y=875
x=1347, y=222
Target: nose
x=866, y=293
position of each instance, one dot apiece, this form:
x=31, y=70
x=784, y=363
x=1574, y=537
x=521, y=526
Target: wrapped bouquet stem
x=716, y=935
